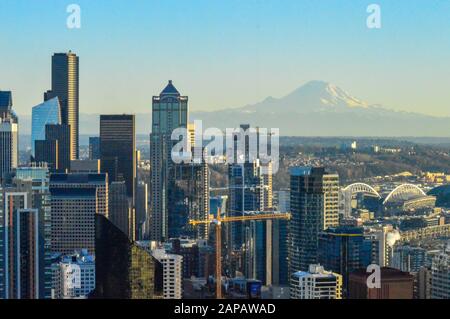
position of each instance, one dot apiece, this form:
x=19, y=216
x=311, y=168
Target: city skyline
x=309, y=192
x=229, y=47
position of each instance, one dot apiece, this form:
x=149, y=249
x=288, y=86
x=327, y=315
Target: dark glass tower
x=65, y=85
x=344, y=250
x=94, y=147
x=124, y=270
x=118, y=149
x=60, y=133
x=314, y=208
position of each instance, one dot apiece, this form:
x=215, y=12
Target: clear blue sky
x=228, y=53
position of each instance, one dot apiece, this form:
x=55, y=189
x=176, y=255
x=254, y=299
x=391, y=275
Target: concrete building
x=316, y=284
x=73, y=276
x=440, y=280
x=172, y=273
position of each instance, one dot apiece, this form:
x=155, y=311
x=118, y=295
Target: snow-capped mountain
x=315, y=109
x=322, y=109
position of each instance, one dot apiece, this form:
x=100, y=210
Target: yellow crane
x=218, y=226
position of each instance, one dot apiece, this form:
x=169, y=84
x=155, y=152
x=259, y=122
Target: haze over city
x=229, y=53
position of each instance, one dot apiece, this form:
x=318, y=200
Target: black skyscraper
x=117, y=149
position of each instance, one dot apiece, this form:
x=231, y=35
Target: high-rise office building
x=280, y=252
x=189, y=199
x=120, y=207
x=124, y=270
x=118, y=149
x=9, y=135
x=257, y=247
x=343, y=250
x=249, y=182
x=440, y=276
x=169, y=111
x=35, y=181
x=30, y=243
x=5, y=103
x=45, y=113
x=9, y=145
x=172, y=273
x=65, y=86
x=14, y=202
x=314, y=208
x=141, y=205
x=94, y=147
x=316, y=283
x=75, y=200
x=47, y=151
x=98, y=182
x=73, y=219
x=408, y=258
x=60, y=133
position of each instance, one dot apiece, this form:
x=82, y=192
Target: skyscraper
x=75, y=200
x=35, y=180
x=61, y=134
x=46, y=151
x=440, y=276
x=169, y=111
x=9, y=145
x=124, y=270
x=5, y=103
x=248, y=188
x=314, y=208
x=94, y=147
x=73, y=219
x=118, y=149
x=65, y=86
x=9, y=135
x=119, y=207
x=141, y=205
x=343, y=250
x=189, y=199
x=45, y=113
x=98, y=182
x=13, y=201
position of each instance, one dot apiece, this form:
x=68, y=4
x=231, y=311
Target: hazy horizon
x=229, y=54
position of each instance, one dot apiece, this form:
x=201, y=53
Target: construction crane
x=218, y=226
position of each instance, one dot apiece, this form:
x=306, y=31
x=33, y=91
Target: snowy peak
x=311, y=97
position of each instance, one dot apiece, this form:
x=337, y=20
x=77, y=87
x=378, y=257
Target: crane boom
x=218, y=226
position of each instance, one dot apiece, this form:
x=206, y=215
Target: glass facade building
x=169, y=111
x=124, y=270
x=43, y=114
x=314, y=207
x=343, y=250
